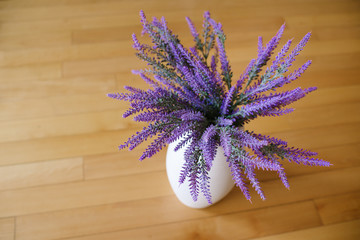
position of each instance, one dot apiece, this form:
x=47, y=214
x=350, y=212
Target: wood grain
x=119, y=206
x=121, y=163
x=83, y=193
x=57, y=105
x=42, y=173
x=62, y=125
x=7, y=228
x=254, y=223
x=62, y=176
x=30, y=72
x=345, y=230
x=50, y=87
x=335, y=209
x=26, y=41
x=64, y=53
x=110, y=65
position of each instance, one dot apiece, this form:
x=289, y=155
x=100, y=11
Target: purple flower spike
x=192, y=28
x=227, y=101
x=291, y=58
x=192, y=100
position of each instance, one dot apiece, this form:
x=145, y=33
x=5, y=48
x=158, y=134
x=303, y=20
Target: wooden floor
x=61, y=175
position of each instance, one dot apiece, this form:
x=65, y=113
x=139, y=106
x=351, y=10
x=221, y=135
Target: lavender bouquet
x=193, y=97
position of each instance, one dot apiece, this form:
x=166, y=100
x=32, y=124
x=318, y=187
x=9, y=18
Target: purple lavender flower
x=192, y=99
x=192, y=28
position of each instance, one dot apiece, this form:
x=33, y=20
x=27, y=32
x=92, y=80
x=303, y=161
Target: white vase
x=221, y=181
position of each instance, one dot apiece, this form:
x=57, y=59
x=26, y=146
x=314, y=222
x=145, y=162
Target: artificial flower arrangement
x=194, y=98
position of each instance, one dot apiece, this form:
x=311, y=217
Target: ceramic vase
x=221, y=181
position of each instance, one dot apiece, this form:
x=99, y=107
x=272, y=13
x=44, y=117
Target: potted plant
x=195, y=105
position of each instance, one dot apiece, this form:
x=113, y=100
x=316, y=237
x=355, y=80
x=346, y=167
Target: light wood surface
x=61, y=175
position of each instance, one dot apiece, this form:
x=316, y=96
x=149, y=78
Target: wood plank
x=323, y=33
x=83, y=194
x=36, y=3
x=324, y=20
x=330, y=47
x=329, y=96
x=328, y=33
x=346, y=230
x=319, y=24
x=328, y=79
x=31, y=72
x=56, y=12
x=93, y=9
x=259, y=222
x=64, y=125
x=322, y=63
x=105, y=28
x=34, y=27
x=7, y=228
x=67, y=53
x=167, y=209
x=17, y=89
x=101, y=66
x=112, y=8
x=339, y=208
x=26, y=41
x=61, y=147
x=43, y=173
x=19, y=4
x=58, y=105
x=127, y=20
x=107, y=34
x=141, y=190
x=121, y=163
x=325, y=115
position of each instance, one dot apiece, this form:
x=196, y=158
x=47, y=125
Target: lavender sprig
x=191, y=98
